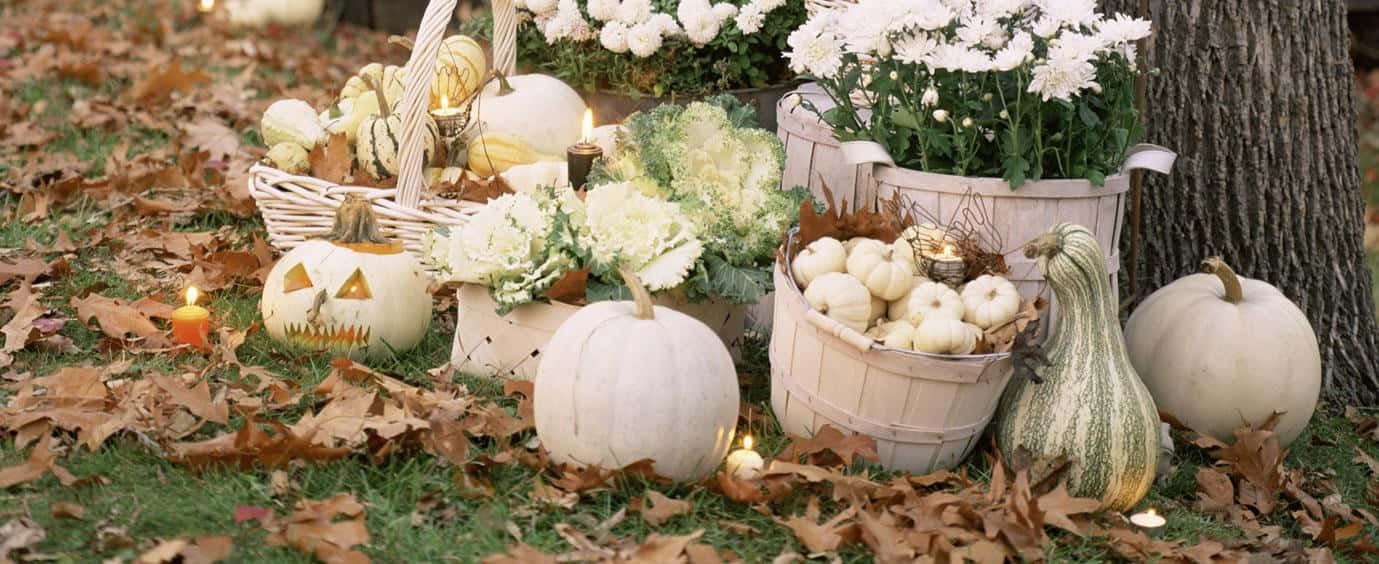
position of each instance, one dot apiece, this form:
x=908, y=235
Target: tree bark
x=1257, y=97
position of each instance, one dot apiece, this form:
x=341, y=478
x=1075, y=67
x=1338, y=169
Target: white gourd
x=336, y=123
x=541, y=110
x=899, y=308
x=623, y=381
x=824, y=255
x=378, y=144
x=862, y=242
x=990, y=301
x=841, y=297
x=882, y=274
x=878, y=310
x=293, y=121
x=897, y=335
x=928, y=300
x=526, y=178
x=945, y=336
x=392, y=77
x=289, y=157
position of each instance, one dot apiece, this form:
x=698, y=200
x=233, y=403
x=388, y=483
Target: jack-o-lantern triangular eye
x=296, y=279
x=355, y=288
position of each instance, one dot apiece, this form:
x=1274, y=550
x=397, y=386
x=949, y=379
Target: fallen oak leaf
x=828, y=438
x=1059, y=506
x=827, y=536
x=657, y=508
x=1215, y=491
x=160, y=82
x=328, y=529
x=197, y=399
x=521, y=554
x=752, y=491
x=331, y=160
x=658, y=548
x=68, y=510
x=212, y=136
x=25, y=268
x=118, y=319
x=41, y=460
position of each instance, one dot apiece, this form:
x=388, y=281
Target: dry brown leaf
x=830, y=439
x=118, y=319
x=196, y=399
x=211, y=135
x=658, y=548
x=752, y=491
x=68, y=510
x=702, y=554
x=20, y=330
x=20, y=533
x=41, y=460
x=26, y=134
x=331, y=160
x=1367, y=460
x=570, y=288
x=1058, y=507
x=521, y=554
x=658, y=508
x=328, y=529
x=1215, y=491
x=251, y=446
x=24, y=269
x=161, y=82
x=738, y=528
x=827, y=536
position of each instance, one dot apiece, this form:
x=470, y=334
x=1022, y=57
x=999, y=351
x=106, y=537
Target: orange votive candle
x=191, y=323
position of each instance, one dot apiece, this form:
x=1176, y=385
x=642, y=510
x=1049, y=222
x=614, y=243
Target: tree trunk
x=1257, y=97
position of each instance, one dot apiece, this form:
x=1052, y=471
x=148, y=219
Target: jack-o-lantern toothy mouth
x=330, y=337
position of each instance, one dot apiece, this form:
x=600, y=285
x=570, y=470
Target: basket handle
x=831, y=326
x=411, y=181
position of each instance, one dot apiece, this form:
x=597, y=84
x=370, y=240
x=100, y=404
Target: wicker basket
x=297, y=208
x=925, y=411
x=509, y=346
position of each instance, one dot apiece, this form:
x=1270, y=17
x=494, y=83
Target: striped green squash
x=378, y=141
x=1091, y=405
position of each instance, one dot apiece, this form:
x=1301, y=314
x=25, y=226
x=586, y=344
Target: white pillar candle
x=745, y=463
x=1149, y=521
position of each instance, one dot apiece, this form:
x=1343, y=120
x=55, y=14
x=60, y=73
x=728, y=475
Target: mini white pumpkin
x=990, y=301
x=897, y=335
x=862, y=242
x=878, y=310
x=945, y=336
x=885, y=276
x=928, y=300
x=1219, y=351
x=624, y=381
x=526, y=178
x=824, y=255
x=539, y=109
x=333, y=118
x=353, y=293
x=293, y=121
x=289, y=157
x=841, y=297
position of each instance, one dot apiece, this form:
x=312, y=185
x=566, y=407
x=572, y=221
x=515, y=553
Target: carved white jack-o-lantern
x=353, y=293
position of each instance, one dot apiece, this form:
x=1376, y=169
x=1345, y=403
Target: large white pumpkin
x=539, y=109
x=352, y=293
x=1219, y=351
x=623, y=381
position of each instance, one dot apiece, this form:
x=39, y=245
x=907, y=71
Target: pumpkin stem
x=503, y=87
x=356, y=223
x=640, y=296
x=378, y=91
x=1043, y=245
x=1229, y=280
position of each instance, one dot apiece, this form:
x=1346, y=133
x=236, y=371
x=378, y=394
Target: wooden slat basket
x=925, y=411
x=510, y=346
x=297, y=208
x=812, y=154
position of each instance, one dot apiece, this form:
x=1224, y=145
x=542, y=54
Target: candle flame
x=445, y=101
x=205, y=5
x=587, y=134
x=1151, y=512
x=948, y=252
x=747, y=442
x=192, y=294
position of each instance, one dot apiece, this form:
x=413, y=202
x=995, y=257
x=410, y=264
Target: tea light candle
x=205, y=6
x=580, y=156
x=191, y=323
x=1149, y=521
x=745, y=463
x=946, y=266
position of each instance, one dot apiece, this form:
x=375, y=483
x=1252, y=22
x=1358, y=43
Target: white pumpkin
x=945, y=336
x=289, y=157
x=990, y=301
x=897, y=335
x=1219, y=351
x=333, y=118
x=841, y=297
x=885, y=276
x=928, y=300
x=863, y=243
x=526, y=178
x=878, y=310
x=293, y=121
x=624, y=381
x=539, y=109
x=822, y=256
x=352, y=293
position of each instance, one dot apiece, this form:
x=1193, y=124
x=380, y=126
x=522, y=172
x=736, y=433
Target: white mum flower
x=1046, y=27
x=613, y=37
x=603, y=10
x=1018, y=50
x=1001, y=8
x=568, y=24
x=1069, y=12
x=724, y=11
x=667, y=24
x=1123, y=28
x=644, y=39
x=955, y=57
x=1062, y=78
x=703, y=30
x=815, y=48
x=633, y=12
x=928, y=15
x=940, y=116
x=916, y=48
x=750, y=18
x=539, y=7
x=768, y=5
x=975, y=29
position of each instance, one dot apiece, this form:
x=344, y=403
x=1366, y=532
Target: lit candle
x=580, y=156
x=745, y=463
x=1149, y=521
x=946, y=266
x=451, y=121
x=205, y=6
x=191, y=323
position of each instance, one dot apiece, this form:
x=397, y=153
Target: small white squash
x=333, y=118
x=878, y=310
x=928, y=300
x=624, y=381
x=460, y=67
x=841, y=297
x=1219, y=351
x=528, y=177
x=352, y=293
x=293, y=121
x=824, y=255
x=897, y=335
x=392, y=77
x=539, y=109
x=289, y=157
x=945, y=336
x=862, y=242
x=990, y=301
x=885, y=276
x=378, y=144
x=494, y=153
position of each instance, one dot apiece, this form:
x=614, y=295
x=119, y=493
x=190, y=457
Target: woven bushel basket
x=298, y=208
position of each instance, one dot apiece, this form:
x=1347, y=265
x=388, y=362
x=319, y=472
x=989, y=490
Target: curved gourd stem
x=1043, y=245
x=382, y=99
x=640, y=297
x=355, y=223
x=1214, y=265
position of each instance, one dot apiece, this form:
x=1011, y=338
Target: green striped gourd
x=378, y=141
x=1091, y=405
